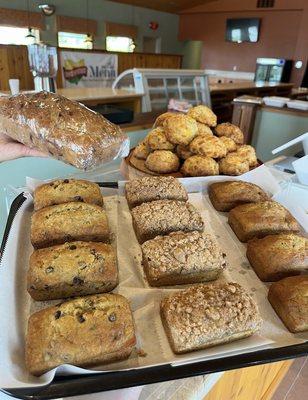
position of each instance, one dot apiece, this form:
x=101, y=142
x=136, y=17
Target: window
x=236, y=35
x=74, y=40
x=13, y=35
x=120, y=43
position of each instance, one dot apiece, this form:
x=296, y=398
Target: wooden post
x=244, y=114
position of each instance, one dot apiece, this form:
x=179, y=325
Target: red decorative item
x=153, y=25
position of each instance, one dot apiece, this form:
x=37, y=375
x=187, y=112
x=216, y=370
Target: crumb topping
x=183, y=253
x=209, y=311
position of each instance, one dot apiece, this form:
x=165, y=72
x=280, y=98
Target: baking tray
x=64, y=386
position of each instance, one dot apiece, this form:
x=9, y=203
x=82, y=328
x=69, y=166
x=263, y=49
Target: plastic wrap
x=62, y=128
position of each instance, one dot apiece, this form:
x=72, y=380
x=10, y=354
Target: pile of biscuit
x=195, y=145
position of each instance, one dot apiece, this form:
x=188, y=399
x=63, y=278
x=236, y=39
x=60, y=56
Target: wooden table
x=94, y=96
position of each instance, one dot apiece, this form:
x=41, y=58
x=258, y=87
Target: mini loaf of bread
x=261, y=219
x=227, y=195
x=161, y=217
x=66, y=190
x=69, y=222
x=208, y=314
x=151, y=188
x=85, y=332
x=181, y=258
x=277, y=256
x=289, y=298
x=72, y=269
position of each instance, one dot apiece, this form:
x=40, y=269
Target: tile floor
x=294, y=385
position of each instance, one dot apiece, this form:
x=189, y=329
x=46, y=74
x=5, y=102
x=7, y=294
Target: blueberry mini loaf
x=86, y=331
x=66, y=190
x=148, y=188
x=181, y=258
x=289, y=298
x=227, y=195
x=162, y=217
x=277, y=256
x=261, y=219
x=69, y=222
x=72, y=269
x=208, y=314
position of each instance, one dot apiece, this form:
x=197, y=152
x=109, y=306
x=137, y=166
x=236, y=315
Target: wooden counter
x=249, y=85
x=94, y=96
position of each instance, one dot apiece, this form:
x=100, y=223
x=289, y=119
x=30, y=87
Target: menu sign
x=85, y=69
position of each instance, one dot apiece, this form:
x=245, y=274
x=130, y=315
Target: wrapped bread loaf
x=62, y=128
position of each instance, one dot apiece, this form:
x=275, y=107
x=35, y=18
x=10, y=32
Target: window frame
x=86, y=47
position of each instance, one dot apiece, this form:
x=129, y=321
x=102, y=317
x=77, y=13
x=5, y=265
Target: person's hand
x=9, y=149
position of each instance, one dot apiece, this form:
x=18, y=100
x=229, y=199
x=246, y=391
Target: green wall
x=102, y=10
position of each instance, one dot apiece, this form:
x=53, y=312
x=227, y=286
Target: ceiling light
x=47, y=9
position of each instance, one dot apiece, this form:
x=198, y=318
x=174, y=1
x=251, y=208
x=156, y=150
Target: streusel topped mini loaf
x=208, y=314
x=161, y=217
x=151, y=188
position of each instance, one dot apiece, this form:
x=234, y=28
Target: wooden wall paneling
x=113, y=29
x=19, y=18
x=76, y=25
x=4, y=69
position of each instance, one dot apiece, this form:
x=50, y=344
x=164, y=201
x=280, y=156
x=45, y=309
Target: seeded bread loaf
x=261, y=219
x=162, y=217
x=181, y=258
x=151, y=188
x=208, y=314
x=69, y=222
x=65, y=129
x=277, y=256
x=85, y=332
x=72, y=269
x=227, y=195
x=66, y=190
x=289, y=298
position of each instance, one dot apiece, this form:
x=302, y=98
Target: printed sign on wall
x=85, y=69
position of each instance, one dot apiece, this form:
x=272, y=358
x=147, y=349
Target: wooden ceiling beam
x=171, y=6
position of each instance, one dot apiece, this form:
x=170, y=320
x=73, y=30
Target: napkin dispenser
x=301, y=165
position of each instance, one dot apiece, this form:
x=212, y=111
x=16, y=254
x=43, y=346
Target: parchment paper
x=16, y=305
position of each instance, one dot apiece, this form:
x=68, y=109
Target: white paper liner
x=144, y=300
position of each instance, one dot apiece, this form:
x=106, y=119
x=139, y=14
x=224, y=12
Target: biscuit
x=248, y=153
x=141, y=151
x=180, y=129
x=200, y=166
x=229, y=143
x=233, y=164
x=162, y=118
x=231, y=131
x=162, y=162
x=183, y=151
x=204, y=130
x=203, y=114
x=157, y=140
x=208, y=146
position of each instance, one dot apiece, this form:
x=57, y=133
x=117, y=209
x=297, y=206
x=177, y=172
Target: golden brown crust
x=182, y=258
x=289, y=298
x=85, y=331
x=72, y=269
x=277, y=256
x=248, y=153
x=209, y=146
x=66, y=190
x=231, y=131
x=180, y=129
x=162, y=217
x=65, y=129
x=233, y=165
x=142, y=150
x=208, y=314
x=204, y=130
x=69, y=222
x=157, y=140
x=261, y=219
x=200, y=166
x=183, y=151
x=162, y=162
x=229, y=143
x=151, y=188
x=227, y=195
x=203, y=114
x=162, y=118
